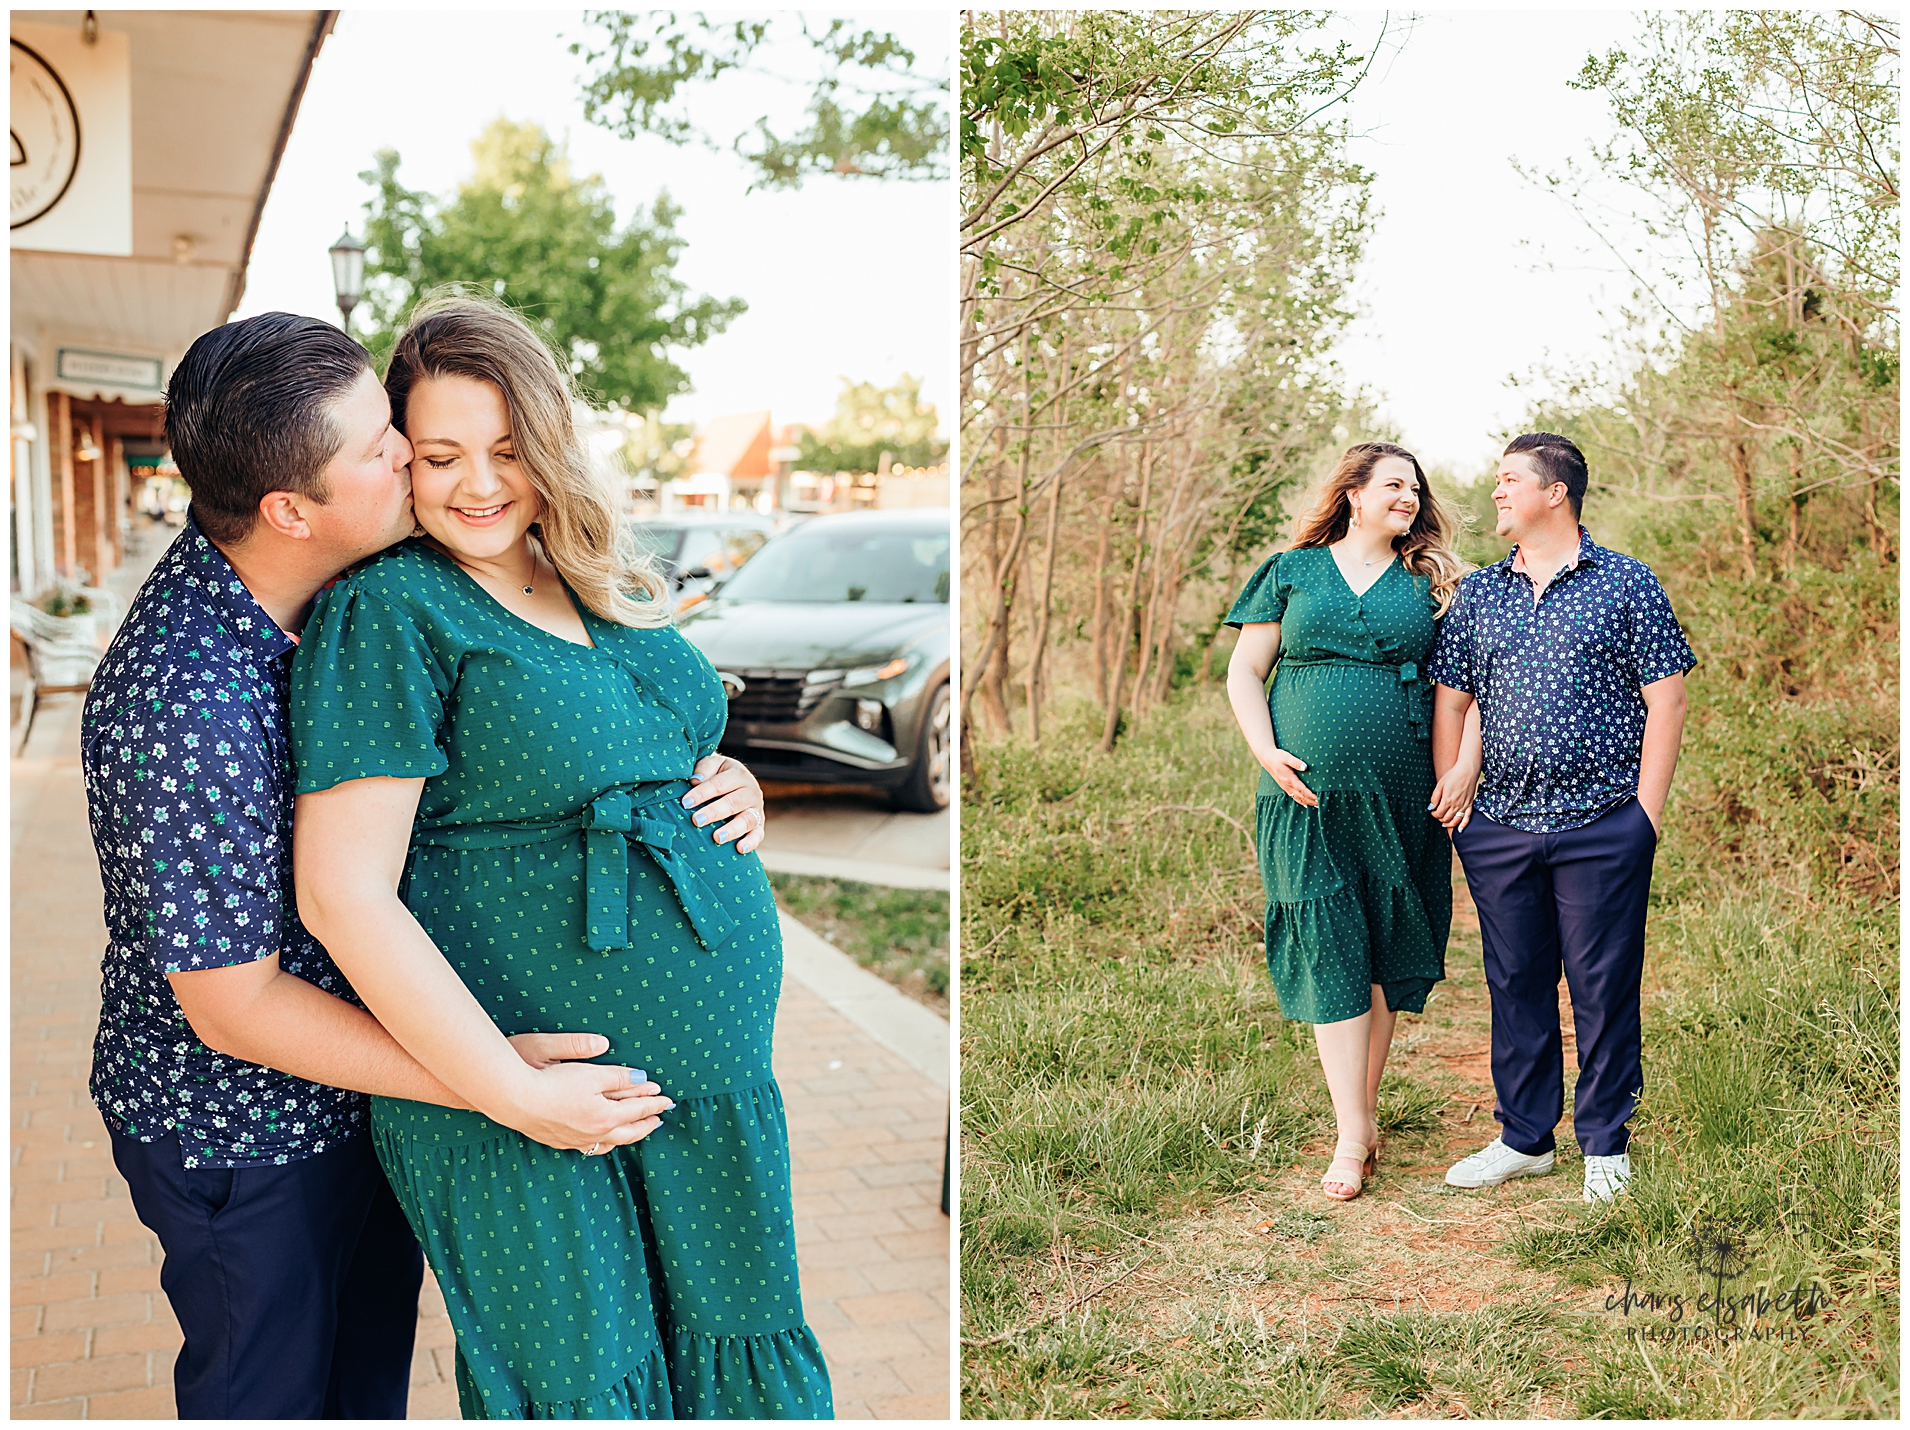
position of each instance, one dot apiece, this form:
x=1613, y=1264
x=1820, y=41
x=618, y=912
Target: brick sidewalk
x=93, y=1337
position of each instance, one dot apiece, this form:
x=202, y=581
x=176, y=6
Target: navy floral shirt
x=189, y=787
x=1557, y=681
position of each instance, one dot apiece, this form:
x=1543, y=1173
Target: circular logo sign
x=44, y=148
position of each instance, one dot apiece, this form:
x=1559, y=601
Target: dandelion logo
x=1717, y=1248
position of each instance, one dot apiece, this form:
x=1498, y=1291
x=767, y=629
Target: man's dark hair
x=1557, y=459
x=248, y=411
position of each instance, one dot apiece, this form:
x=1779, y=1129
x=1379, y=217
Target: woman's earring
x=1355, y=517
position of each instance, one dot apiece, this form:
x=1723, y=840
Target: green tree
x=869, y=421
x=1738, y=125
x=1047, y=96
x=528, y=231
x=870, y=114
x=1764, y=145
x=656, y=450
x=1159, y=232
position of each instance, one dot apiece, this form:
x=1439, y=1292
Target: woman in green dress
x=1350, y=824
x=495, y=726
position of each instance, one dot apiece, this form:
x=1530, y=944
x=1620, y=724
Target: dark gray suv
x=833, y=643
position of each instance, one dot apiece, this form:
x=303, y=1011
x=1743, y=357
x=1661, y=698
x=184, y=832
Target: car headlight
x=870, y=674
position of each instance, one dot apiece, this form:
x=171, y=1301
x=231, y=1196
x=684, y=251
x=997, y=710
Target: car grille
x=781, y=697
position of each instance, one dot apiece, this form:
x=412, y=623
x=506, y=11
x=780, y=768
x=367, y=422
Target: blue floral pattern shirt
x=189, y=788
x=1557, y=680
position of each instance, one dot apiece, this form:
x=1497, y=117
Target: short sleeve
x=366, y=694
x=1262, y=599
x=207, y=834
x=1451, y=664
x=1658, y=645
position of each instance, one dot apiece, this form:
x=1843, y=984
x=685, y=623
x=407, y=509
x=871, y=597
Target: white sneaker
x=1497, y=1163
x=1605, y=1177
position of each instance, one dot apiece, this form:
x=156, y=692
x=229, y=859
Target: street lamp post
x=348, y=275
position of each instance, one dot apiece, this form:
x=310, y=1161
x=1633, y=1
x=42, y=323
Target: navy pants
x=296, y=1286
x=1574, y=899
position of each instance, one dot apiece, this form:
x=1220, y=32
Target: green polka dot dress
x=1359, y=889
x=555, y=868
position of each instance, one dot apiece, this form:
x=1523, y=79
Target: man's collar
x=235, y=607
x=1588, y=552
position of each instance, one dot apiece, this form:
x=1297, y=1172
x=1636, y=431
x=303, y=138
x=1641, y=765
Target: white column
x=20, y=494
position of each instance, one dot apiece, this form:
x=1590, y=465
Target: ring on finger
x=593, y=1149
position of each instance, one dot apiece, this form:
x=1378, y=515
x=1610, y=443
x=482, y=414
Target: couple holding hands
x=1527, y=715
x=388, y=856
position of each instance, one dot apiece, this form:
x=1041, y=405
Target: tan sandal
x=1361, y=1160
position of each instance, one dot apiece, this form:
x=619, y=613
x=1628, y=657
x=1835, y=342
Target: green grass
x=899, y=934
x=1128, y=1082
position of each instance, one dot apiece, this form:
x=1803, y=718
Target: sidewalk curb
x=860, y=871
x=896, y=1021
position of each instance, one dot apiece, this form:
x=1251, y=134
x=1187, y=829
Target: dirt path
x=1283, y=1252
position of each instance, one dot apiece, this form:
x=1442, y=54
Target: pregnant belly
x=511, y=922
x=1353, y=726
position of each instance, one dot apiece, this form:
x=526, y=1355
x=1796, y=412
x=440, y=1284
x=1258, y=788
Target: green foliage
x=1114, y=1002
x=66, y=599
x=869, y=421
x=1764, y=145
x=1046, y=96
x=525, y=230
x=1160, y=237
x=657, y=449
x=1779, y=121
x=870, y=113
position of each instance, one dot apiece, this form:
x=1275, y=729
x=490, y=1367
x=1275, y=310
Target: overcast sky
x=1472, y=274
x=843, y=277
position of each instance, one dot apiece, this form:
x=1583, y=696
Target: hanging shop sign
x=70, y=147
x=79, y=368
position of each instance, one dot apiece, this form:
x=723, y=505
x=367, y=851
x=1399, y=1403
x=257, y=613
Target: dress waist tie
x=1418, y=688
x=650, y=815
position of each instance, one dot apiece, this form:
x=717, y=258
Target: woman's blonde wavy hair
x=456, y=333
x=1425, y=549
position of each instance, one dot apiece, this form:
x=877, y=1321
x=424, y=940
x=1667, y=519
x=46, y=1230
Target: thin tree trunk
x=1002, y=675
x=1017, y=560
x=1164, y=660
x=1098, y=623
x=1176, y=586
x=1002, y=583
x=1879, y=534
x=1038, y=646
x=1145, y=644
x=1111, y=728
x=1158, y=623
x=992, y=705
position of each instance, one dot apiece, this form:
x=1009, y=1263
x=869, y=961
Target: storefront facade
x=151, y=139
